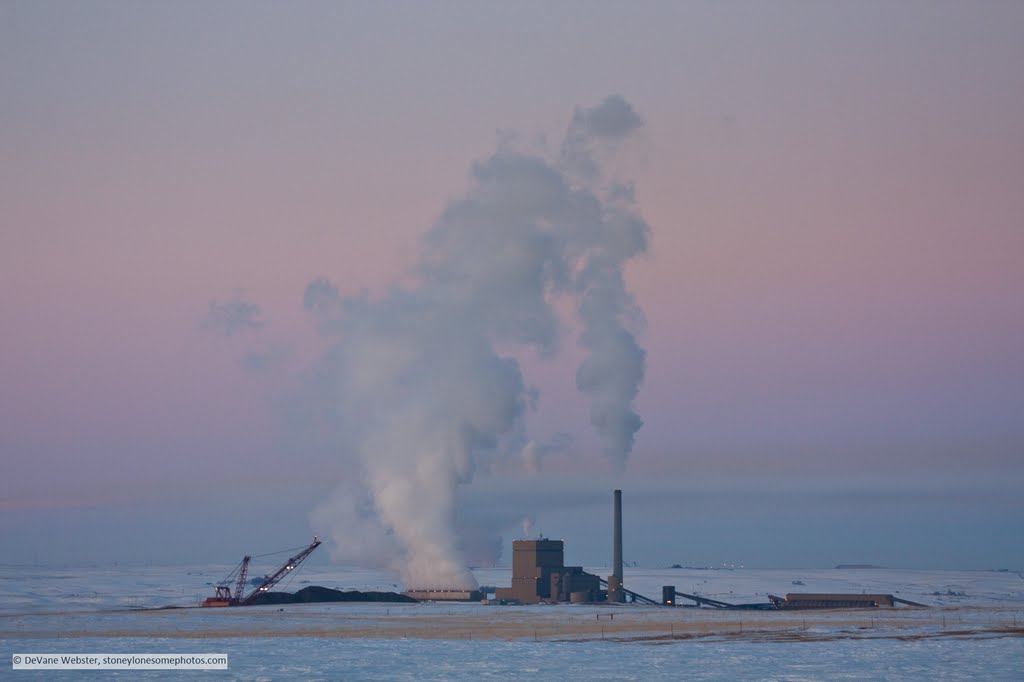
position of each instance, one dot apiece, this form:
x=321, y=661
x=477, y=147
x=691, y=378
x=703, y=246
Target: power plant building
x=539, y=574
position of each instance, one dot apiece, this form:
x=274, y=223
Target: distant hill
x=858, y=566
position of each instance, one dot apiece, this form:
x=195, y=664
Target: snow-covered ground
x=975, y=631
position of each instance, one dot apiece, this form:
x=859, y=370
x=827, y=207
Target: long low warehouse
x=831, y=601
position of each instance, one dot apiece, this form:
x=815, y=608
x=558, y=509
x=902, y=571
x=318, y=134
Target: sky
x=831, y=293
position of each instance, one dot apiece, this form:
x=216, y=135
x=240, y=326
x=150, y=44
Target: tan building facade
x=539, y=574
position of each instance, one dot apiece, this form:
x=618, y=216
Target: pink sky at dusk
x=833, y=287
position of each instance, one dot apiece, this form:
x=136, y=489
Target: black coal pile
x=315, y=593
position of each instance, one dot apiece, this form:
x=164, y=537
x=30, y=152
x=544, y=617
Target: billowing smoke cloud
x=232, y=317
x=414, y=378
x=594, y=134
x=533, y=453
x=238, y=319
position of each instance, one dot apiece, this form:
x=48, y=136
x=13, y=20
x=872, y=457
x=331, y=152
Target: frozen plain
x=975, y=630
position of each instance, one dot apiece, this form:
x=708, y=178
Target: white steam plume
x=414, y=379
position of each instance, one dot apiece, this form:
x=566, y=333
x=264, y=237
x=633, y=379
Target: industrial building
x=539, y=574
x=444, y=595
x=837, y=601
x=831, y=601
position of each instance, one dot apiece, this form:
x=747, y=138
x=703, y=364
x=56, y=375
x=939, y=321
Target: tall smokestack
x=615, y=593
x=617, y=538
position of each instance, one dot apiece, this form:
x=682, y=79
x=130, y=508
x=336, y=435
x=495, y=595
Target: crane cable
x=231, y=576
x=280, y=551
x=291, y=576
x=234, y=572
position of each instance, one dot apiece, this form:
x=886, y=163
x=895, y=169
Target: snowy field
x=974, y=630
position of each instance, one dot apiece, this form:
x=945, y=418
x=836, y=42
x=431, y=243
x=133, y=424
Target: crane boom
x=225, y=597
x=242, y=572
x=280, y=573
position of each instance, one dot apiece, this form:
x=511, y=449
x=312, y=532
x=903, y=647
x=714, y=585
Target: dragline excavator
x=226, y=597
